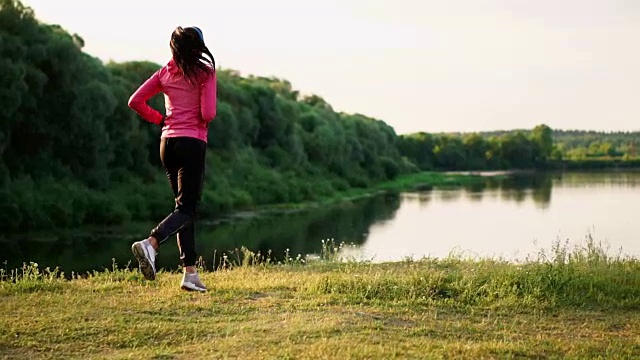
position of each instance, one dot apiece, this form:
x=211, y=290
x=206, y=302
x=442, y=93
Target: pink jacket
x=189, y=108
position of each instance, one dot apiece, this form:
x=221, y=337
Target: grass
x=417, y=181
x=575, y=303
x=426, y=180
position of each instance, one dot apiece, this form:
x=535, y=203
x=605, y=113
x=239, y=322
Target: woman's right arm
x=208, y=98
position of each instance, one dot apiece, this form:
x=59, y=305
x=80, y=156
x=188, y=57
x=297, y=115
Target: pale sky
x=419, y=65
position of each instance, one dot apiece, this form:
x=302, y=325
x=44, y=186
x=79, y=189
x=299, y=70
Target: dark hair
x=188, y=49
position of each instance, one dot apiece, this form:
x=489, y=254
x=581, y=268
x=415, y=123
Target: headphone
x=197, y=29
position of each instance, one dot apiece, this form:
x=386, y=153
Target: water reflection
x=517, y=188
x=491, y=216
x=300, y=232
x=512, y=217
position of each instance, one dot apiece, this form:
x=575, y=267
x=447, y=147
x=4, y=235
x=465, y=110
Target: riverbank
x=45, y=204
x=579, y=304
x=423, y=181
x=595, y=164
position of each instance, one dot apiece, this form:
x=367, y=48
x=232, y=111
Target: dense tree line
x=583, y=144
x=541, y=147
x=72, y=152
x=578, y=145
x=473, y=151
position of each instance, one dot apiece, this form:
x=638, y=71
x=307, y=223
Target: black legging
x=183, y=159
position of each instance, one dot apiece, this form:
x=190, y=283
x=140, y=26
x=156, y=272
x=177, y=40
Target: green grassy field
x=567, y=303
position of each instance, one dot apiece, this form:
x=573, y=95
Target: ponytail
x=188, y=47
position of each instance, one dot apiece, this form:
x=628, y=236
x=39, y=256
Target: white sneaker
x=191, y=282
x=146, y=256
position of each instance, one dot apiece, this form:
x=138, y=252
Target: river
x=513, y=219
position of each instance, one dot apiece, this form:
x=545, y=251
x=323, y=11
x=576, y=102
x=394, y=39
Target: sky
x=419, y=65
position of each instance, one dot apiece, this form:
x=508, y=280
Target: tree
x=450, y=153
x=418, y=148
x=476, y=151
x=517, y=151
x=542, y=137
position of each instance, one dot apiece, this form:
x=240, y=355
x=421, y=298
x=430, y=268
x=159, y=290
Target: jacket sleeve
x=208, y=98
x=138, y=101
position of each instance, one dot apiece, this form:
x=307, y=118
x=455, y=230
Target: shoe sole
x=143, y=264
x=186, y=288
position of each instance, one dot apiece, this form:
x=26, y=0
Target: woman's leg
x=186, y=246
x=171, y=168
x=145, y=251
x=188, y=170
x=189, y=155
x=190, y=182
x=183, y=159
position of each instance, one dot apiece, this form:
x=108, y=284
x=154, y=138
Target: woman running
x=188, y=82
